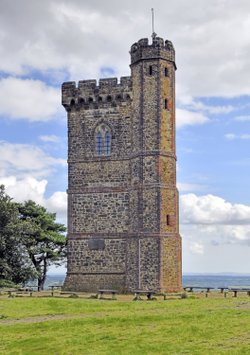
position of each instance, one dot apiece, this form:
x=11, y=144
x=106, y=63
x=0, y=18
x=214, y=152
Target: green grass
x=188, y=326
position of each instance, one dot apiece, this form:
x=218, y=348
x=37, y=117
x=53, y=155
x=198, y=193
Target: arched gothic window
x=103, y=140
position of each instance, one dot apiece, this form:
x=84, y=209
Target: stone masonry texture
x=123, y=218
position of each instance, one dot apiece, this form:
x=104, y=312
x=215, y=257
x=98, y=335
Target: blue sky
x=43, y=44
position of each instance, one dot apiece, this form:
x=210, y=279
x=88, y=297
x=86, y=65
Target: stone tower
x=123, y=227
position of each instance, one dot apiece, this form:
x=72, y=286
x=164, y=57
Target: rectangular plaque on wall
x=96, y=244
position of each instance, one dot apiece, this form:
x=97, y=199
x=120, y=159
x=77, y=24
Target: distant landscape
x=212, y=280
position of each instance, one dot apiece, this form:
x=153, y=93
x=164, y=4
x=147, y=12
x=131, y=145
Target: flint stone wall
x=123, y=226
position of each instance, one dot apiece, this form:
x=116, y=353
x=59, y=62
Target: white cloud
x=185, y=118
x=196, y=248
x=29, y=99
x=26, y=160
x=184, y=187
x=215, y=233
x=210, y=210
x=30, y=188
x=211, y=221
x=232, y=136
x=188, y=102
x=218, y=109
x=80, y=37
x=51, y=45
x=243, y=118
x=50, y=138
x=24, y=171
x=244, y=136
x=58, y=203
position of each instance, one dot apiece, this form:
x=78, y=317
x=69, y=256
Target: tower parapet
x=159, y=49
x=89, y=94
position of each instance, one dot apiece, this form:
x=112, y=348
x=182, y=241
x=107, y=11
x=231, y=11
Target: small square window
x=166, y=104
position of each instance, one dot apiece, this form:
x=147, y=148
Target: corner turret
x=159, y=49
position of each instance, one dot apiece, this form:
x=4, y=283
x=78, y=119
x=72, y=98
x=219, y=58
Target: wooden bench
x=171, y=295
x=235, y=290
x=110, y=292
x=191, y=288
x=138, y=293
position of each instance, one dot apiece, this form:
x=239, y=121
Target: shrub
x=8, y=284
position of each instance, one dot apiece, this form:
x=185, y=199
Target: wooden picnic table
x=28, y=289
x=20, y=291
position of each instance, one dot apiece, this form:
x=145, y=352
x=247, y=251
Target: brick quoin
x=123, y=218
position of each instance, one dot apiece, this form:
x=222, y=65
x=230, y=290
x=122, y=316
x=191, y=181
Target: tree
x=43, y=238
x=15, y=265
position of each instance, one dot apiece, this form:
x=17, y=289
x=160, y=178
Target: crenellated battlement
x=89, y=94
x=158, y=49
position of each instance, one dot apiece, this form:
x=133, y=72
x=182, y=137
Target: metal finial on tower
x=153, y=25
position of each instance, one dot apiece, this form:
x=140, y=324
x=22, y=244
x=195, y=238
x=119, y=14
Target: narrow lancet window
x=107, y=144
x=99, y=143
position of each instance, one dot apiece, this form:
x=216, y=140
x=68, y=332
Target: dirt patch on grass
x=50, y=317
x=244, y=305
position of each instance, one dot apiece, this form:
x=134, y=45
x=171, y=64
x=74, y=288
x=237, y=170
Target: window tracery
x=103, y=140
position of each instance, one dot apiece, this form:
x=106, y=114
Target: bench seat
x=149, y=293
x=190, y=288
x=104, y=291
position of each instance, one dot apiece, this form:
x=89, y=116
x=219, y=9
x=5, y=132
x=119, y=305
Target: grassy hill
x=85, y=326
